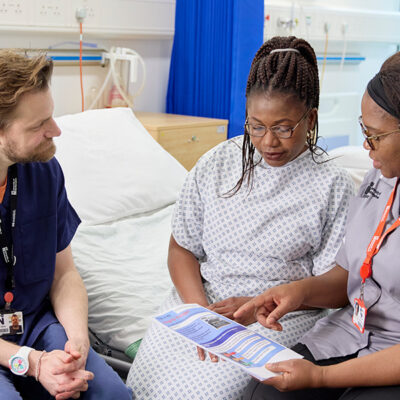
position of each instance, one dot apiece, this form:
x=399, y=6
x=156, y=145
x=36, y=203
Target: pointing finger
x=249, y=306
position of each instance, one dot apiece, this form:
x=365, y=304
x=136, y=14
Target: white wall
x=156, y=54
x=145, y=26
x=66, y=84
x=342, y=89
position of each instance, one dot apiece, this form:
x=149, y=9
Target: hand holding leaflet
x=226, y=338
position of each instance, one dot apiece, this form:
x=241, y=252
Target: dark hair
x=390, y=78
x=287, y=72
x=19, y=75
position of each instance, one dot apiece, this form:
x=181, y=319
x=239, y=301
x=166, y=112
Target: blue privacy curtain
x=214, y=43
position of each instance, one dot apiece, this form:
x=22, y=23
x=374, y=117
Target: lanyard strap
x=378, y=238
x=7, y=247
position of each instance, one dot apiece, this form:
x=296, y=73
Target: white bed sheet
x=355, y=159
x=124, y=267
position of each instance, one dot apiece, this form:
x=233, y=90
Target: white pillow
x=355, y=159
x=113, y=167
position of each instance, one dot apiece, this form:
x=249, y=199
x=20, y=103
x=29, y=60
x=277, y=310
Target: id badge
x=11, y=322
x=359, y=314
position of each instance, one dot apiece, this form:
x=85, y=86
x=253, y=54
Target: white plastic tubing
x=113, y=57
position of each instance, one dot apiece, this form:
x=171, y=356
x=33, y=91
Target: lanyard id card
x=359, y=314
x=360, y=311
x=11, y=322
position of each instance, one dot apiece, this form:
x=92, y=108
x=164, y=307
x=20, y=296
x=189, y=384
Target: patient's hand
x=202, y=355
x=229, y=306
x=226, y=308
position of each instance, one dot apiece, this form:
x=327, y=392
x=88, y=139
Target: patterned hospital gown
x=288, y=227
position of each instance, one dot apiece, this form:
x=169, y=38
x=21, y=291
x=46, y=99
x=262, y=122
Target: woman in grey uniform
x=355, y=351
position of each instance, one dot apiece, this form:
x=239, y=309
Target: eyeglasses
x=279, y=131
x=370, y=138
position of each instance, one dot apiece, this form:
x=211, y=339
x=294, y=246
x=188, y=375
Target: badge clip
x=8, y=298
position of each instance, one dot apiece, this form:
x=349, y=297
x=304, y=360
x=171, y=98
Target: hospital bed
x=123, y=185
x=354, y=159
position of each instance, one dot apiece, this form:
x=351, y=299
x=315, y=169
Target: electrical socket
x=13, y=12
x=50, y=12
x=11, y=7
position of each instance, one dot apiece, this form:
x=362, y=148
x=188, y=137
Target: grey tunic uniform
x=336, y=335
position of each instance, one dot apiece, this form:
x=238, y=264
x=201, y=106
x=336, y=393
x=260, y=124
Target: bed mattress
x=124, y=267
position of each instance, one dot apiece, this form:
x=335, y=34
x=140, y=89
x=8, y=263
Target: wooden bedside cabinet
x=186, y=138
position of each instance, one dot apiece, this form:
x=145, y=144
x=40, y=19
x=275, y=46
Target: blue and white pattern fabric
x=288, y=227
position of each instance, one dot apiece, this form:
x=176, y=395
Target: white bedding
x=124, y=267
x=355, y=159
x=113, y=167
x=122, y=184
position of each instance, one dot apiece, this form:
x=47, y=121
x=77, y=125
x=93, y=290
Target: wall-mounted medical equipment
x=311, y=22
x=337, y=59
x=351, y=39
x=120, y=19
x=118, y=55
x=125, y=67
x=69, y=54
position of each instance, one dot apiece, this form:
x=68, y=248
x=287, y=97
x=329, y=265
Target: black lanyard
x=7, y=247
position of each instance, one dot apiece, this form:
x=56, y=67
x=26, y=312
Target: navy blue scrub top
x=45, y=225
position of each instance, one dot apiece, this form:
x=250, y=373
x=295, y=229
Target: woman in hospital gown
x=256, y=211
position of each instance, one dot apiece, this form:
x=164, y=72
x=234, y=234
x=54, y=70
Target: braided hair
x=288, y=73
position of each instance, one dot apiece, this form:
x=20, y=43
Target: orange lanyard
x=378, y=238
